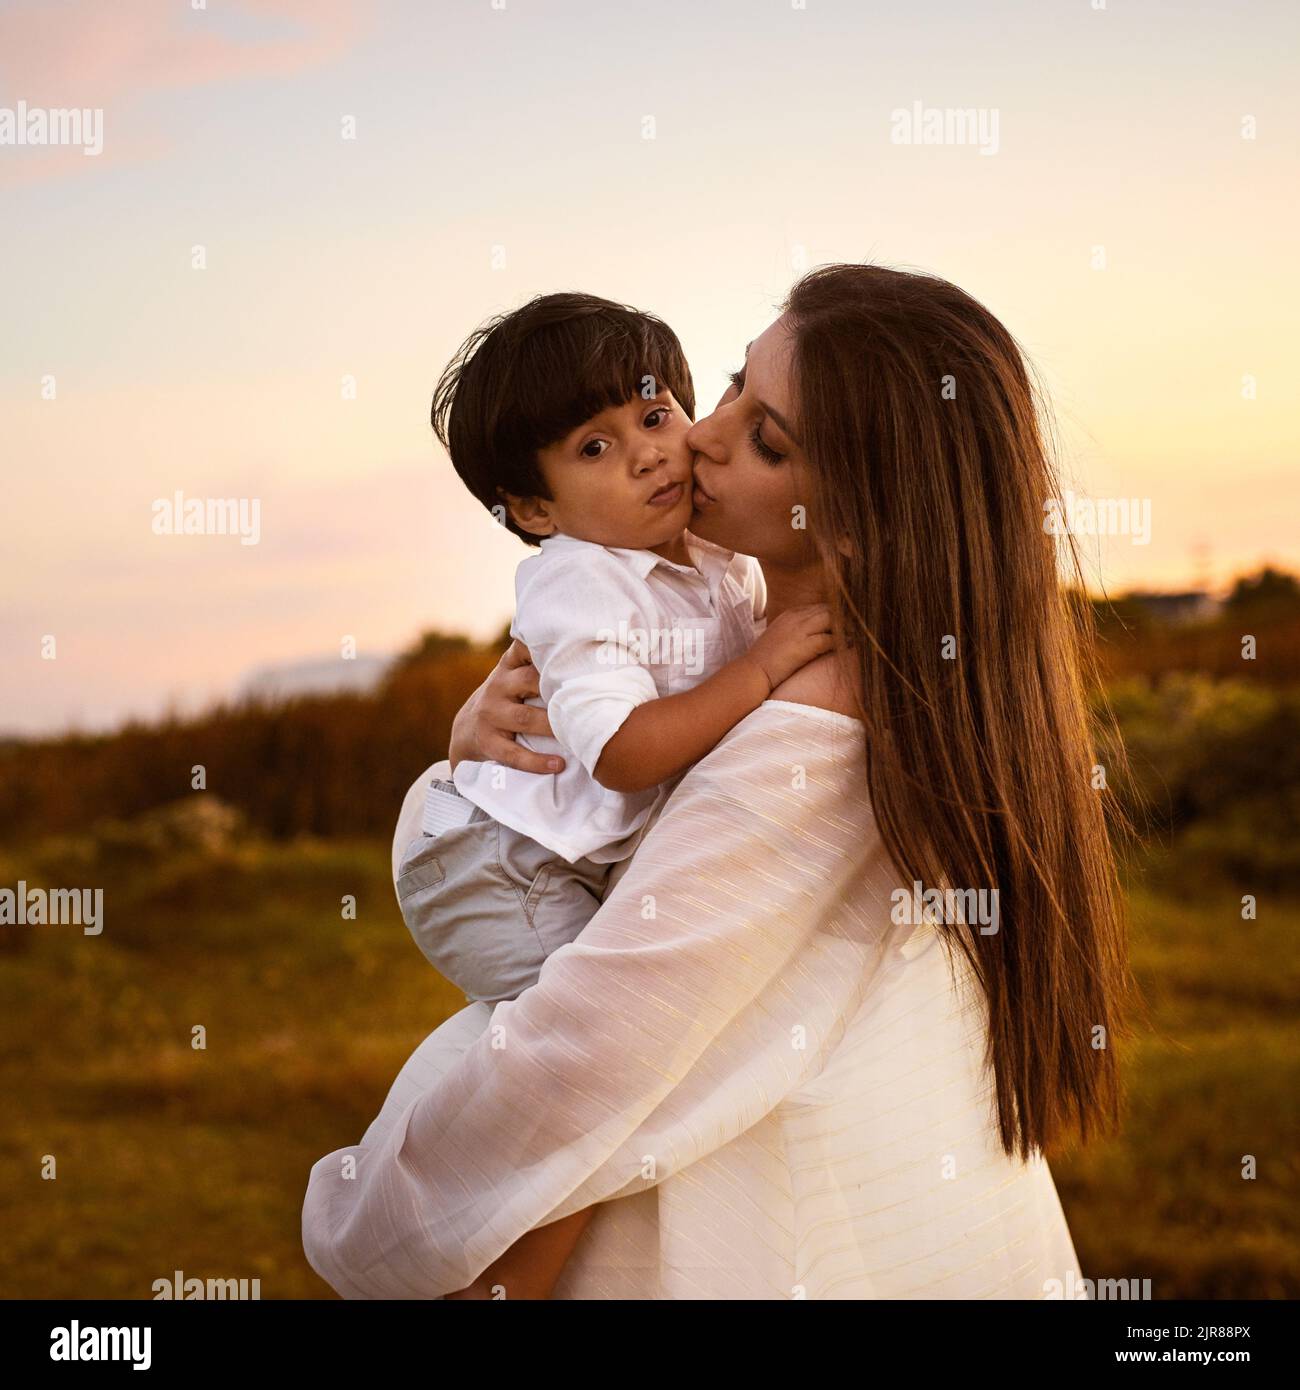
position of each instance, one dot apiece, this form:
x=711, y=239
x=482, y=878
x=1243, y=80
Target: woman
x=776, y=1077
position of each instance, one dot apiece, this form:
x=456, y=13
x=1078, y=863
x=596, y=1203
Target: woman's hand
x=485, y=728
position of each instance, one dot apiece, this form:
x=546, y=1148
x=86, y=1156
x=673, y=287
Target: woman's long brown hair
x=918, y=416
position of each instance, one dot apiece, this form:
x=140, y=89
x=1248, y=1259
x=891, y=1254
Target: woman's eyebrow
x=776, y=415
x=780, y=420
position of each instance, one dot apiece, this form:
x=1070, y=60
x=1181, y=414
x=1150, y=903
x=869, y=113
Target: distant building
x=1177, y=610
x=323, y=676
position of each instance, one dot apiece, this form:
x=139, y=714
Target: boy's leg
x=558, y=898
x=463, y=912
x=531, y=1268
x=487, y=905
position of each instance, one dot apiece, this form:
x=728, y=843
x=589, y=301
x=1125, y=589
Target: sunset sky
x=520, y=126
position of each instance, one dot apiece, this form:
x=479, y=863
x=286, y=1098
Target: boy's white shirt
x=609, y=629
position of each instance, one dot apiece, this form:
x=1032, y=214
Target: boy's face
x=622, y=478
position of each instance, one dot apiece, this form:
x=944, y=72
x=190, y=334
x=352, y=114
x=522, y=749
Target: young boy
x=567, y=419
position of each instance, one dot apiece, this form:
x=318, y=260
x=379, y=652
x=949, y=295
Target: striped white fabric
x=774, y=1090
x=444, y=810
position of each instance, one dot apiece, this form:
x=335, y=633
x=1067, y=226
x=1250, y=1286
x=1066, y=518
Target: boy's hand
x=485, y=728
x=792, y=640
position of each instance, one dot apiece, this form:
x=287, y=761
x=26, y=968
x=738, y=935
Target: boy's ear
x=531, y=514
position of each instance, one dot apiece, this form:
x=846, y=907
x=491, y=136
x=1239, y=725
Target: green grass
x=1211, y=1080
x=175, y=1158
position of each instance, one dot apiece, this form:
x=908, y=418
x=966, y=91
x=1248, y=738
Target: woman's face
x=752, y=481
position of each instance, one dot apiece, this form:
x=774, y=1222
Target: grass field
x=174, y=1158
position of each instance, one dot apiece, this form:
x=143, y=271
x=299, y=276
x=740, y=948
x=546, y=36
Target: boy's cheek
x=680, y=448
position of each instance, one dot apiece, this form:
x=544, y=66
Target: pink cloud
x=84, y=53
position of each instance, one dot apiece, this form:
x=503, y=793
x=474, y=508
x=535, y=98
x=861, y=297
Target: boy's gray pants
x=487, y=905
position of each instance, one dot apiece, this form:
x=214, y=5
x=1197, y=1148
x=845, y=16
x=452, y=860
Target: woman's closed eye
x=763, y=450
x=761, y=447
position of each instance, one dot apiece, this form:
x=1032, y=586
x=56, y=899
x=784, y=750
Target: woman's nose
x=703, y=437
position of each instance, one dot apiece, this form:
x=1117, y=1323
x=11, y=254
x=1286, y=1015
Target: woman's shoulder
x=788, y=783
x=827, y=683
x=806, y=726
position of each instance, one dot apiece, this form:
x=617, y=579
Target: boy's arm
x=663, y=737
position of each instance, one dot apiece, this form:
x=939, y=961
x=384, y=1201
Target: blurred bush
x=1212, y=741
x=1214, y=772
x=328, y=765
x=1134, y=639
x=204, y=825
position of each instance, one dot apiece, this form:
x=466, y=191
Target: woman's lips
x=667, y=496
x=700, y=498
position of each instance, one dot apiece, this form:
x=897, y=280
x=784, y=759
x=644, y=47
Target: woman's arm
x=713, y=980
x=485, y=727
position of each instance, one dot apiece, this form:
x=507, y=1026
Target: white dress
x=774, y=1090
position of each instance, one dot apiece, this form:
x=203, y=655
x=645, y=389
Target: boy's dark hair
x=524, y=379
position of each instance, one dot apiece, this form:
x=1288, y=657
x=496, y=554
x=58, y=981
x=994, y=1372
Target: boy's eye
x=593, y=448
x=662, y=412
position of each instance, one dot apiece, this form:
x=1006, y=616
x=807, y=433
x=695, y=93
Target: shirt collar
x=713, y=561
x=641, y=562
x=710, y=561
